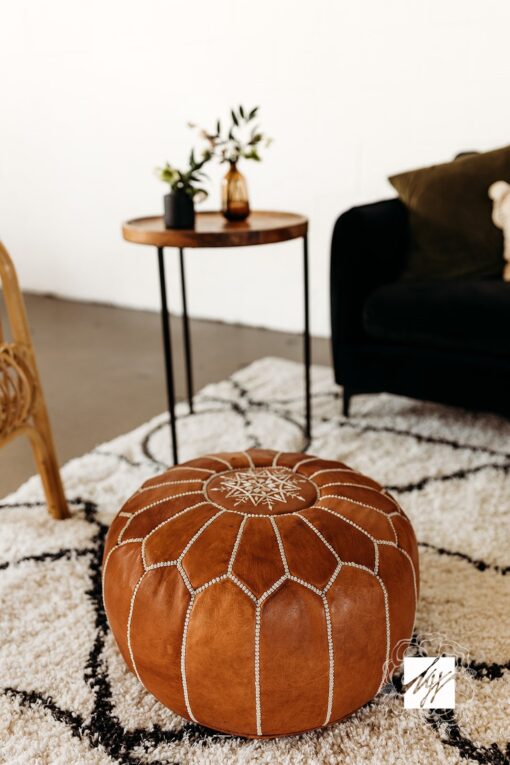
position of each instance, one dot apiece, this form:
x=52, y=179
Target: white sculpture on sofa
x=499, y=192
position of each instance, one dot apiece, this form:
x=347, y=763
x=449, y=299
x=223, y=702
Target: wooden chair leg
x=47, y=466
x=30, y=413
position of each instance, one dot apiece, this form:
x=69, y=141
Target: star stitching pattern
x=264, y=486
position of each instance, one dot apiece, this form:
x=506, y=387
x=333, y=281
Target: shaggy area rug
x=66, y=696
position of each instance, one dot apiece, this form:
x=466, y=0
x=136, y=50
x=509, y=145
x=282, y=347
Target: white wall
x=95, y=94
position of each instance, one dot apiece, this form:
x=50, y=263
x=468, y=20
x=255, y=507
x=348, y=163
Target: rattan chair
x=22, y=406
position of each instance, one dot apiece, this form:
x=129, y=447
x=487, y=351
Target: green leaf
x=199, y=191
x=234, y=118
x=253, y=113
x=241, y=111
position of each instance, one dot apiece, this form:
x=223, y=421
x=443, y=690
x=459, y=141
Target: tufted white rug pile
x=65, y=694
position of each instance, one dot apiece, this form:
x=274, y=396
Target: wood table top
x=213, y=230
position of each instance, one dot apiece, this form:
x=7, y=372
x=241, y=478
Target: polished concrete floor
x=102, y=370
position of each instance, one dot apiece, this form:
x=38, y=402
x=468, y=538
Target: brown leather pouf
x=261, y=593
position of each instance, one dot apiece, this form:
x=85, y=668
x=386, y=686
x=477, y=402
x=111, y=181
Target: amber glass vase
x=234, y=195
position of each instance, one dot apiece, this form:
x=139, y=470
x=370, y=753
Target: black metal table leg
x=186, y=333
x=306, y=338
x=167, y=348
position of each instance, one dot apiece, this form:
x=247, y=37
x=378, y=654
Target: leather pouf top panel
x=261, y=593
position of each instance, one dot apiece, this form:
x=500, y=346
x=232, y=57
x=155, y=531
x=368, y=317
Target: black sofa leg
x=346, y=401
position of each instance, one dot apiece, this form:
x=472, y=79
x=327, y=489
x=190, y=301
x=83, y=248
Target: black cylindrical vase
x=179, y=210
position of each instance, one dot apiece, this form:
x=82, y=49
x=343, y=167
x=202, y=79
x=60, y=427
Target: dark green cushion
x=451, y=228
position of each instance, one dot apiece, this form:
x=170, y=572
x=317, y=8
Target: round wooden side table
x=213, y=230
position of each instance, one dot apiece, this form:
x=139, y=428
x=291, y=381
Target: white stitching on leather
x=182, y=572
x=250, y=461
x=345, y=483
x=374, y=541
x=188, y=467
x=183, y=658
x=164, y=523
x=388, y=632
x=130, y=617
x=318, y=533
x=331, y=656
x=386, y=614
x=116, y=547
x=333, y=470
x=272, y=589
x=233, y=578
x=333, y=577
x=275, y=459
x=161, y=564
x=380, y=492
x=406, y=554
x=178, y=561
x=347, y=520
x=199, y=533
x=395, y=502
x=302, y=582
x=208, y=584
x=153, y=504
x=362, y=504
x=355, y=502
x=280, y=544
x=258, y=708
x=236, y=545
x=170, y=483
x=220, y=459
x=304, y=462
x=394, y=530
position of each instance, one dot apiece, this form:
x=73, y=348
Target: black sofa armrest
x=369, y=248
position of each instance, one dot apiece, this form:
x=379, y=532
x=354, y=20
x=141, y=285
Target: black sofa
x=437, y=341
